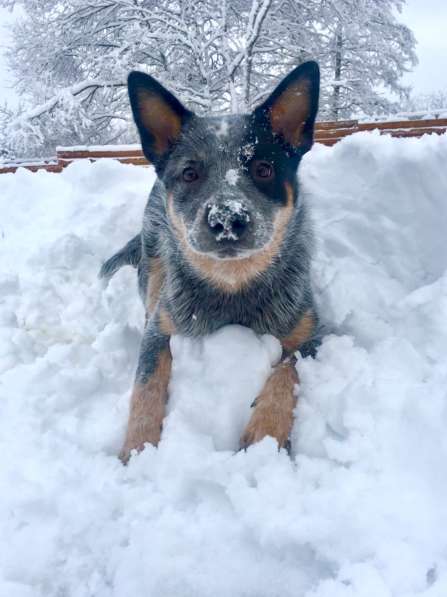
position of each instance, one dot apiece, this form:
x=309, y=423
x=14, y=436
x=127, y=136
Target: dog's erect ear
x=158, y=115
x=291, y=109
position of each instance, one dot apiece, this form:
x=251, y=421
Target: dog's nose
x=227, y=220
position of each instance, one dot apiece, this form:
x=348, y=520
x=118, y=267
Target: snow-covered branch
x=71, y=59
x=61, y=96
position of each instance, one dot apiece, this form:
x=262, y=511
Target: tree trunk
x=335, y=107
x=247, y=79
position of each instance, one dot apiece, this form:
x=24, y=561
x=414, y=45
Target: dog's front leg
x=273, y=408
x=150, y=392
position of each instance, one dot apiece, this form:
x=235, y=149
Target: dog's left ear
x=290, y=111
x=158, y=115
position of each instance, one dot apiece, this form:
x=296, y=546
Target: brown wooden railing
x=327, y=133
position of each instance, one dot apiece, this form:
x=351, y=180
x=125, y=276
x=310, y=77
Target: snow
x=358, y=511
x=17, y=163
x=223, y=214
x=103, y=148
x=248, y=151
x=232, y=176
x=428, y=114
x=214, y=60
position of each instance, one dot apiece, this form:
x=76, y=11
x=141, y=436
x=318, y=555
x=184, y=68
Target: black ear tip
x=133, y=76
x=310, y=69
x=134, y=79
x=137, y=79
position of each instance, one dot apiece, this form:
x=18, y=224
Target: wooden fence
x=327, y=133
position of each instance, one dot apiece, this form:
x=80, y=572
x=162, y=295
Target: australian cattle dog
x=225, y=240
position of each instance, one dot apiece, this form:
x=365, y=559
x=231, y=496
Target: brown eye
x=263, y=170
x=190, y=174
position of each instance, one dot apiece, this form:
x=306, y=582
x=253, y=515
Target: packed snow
x=358, y=510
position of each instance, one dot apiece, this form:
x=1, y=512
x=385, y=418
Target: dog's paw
x=124, y=455
x=127, y=450
x=263, y=424
x=149, y=434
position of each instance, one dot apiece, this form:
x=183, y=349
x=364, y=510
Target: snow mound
x=359, y=510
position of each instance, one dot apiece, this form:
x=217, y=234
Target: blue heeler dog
x=225, y=240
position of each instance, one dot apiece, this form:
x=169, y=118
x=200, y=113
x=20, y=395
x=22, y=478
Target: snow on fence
x=327, y=133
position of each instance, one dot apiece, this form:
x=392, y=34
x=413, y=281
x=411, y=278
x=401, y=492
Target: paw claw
x=124, y=456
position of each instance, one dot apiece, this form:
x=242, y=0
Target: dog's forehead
x=225, y=128
x=223, y=134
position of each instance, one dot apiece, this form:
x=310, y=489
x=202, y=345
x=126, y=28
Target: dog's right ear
x=158, y=115
x=290, y=111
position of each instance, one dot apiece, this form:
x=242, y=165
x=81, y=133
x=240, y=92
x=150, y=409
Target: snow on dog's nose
x=227, y=220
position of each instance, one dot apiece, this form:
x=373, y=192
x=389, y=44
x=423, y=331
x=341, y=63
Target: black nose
x=228, y=220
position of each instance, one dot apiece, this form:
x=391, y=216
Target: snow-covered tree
x=71, y=59
x=365, y=51
x=427, y=104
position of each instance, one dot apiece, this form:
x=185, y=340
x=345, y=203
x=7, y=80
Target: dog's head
x=230, y=180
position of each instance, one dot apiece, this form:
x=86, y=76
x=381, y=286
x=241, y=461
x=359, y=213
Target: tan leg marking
x=147, y=408
x=273, y=410
x=300, y=334
x=166, y=324
x=230, y=275
x=157, y=276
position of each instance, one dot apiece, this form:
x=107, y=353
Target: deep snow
x=361, y=508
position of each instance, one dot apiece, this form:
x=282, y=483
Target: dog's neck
x=264, y=302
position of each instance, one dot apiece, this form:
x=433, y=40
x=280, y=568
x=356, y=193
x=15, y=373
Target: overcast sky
x=427, y=19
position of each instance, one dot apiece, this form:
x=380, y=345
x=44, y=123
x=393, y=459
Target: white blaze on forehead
x=220, y=128
x=232, y=176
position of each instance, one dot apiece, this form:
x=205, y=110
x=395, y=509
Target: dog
x=225, y=240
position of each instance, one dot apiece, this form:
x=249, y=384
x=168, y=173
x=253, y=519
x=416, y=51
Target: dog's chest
x=197, y=311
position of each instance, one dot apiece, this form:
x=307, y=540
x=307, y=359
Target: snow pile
x=359, y=510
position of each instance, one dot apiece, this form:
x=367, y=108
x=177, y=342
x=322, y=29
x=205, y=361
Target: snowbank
x=359, y=511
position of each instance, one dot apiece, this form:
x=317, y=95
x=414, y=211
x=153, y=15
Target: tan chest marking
x=230, y=275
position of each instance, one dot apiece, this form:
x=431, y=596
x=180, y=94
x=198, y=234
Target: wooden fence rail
x=327, y=133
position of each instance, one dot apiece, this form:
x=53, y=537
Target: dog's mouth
x=228, y=252
x=225, y=250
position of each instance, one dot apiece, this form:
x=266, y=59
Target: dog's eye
x=263, y=170
x=190, y=174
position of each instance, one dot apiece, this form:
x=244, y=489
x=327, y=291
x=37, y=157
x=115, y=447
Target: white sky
x=6, y=93
x=427, y=19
